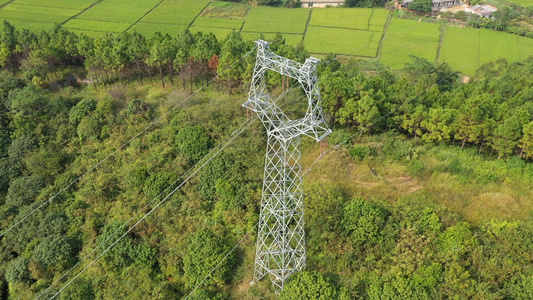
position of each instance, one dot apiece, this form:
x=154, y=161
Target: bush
x=311, y=285
x=193, y=142
x=363, y=221
x=457, y=240
x=204, y=251
x=81, y=110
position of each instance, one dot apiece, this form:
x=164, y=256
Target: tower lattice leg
x=281, y=242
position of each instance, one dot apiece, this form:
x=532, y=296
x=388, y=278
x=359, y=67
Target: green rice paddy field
x=358, y=32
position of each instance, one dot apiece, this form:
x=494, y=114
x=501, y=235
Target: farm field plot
x=467, y=49
x=33, y=25
x=96, y=25
x=69, y=12
x=93, y=34
x=218, y=22
x=290, y=39
x=523, y=3
x=220, y=33
x=494, y=45
x=341, y=17
x=121, y=11
x=226, y=10
x=460, y=49
x=6, y=14
x=176, y=12
x=525, y=47
x=342, y=41
x=72, y=4
x=378, y=19
x=149, y=29
x=271, y=19
x=405, y=38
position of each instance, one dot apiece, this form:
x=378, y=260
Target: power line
x=235, y=134
x=124, y=145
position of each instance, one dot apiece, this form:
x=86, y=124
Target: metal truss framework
x=281, y=239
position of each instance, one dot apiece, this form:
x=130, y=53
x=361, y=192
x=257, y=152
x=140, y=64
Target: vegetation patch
x=271, y=19
x=291, y=39
x=225, y=10
x=523, y=3
x=176, y=12
x=72, y=4
x=149, y=29
x=220, y=33
x=494, y=45
x=378, y=19
x=20, y=15
x=121, y=11
x=97, y=25
x=41, y=10
x=405, y=38
x=342, y=41
x=29, y=24
x=90, y=33
x=218, y=22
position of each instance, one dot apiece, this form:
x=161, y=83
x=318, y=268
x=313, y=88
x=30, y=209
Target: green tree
x=17, y=270
x=24, y=190
x=205, y=250
x=119, y=256
x=421, y=5
x=438, y=124
x=231, y=65
x=506, y=136
x=162, y=54
x=53, y=251
x=526, y=142
x=53, y=225
x=78, y=289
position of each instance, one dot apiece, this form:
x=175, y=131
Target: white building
x=321, y=3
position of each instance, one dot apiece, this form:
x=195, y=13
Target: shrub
x=363, y=221
x=360, y=152
x=193, y=142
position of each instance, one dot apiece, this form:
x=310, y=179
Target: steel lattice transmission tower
x=281, y=241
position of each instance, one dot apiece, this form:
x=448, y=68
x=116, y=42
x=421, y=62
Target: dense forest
x=427, y=195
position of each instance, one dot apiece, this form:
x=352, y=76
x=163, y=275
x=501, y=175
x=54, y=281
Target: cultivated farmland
x=358, y=32
x=405, y=38
x=36, y=14
x=271, y=19
x=460, y=49
x=466, y=49
x=346, y=41
x=176, y=12
x=523, y=3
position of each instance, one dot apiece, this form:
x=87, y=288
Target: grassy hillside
x=349, y=31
